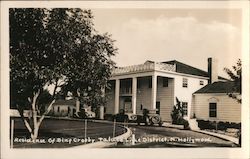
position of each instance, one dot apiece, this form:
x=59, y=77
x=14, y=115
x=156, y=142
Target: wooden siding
x=165, y=95
x=143, y=95
x=228, y=110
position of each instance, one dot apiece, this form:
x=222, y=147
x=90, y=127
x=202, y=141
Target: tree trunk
x=36, y=120
x=77, y=105
x=34, y=135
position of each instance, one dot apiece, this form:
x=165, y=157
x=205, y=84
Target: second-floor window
x=185, y=82
x=138, y=84
x=150, y=83
x=165, y=82
x=201, y=83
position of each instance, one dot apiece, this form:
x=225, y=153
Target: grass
x=65, y=133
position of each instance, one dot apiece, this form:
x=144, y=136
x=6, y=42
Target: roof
x=216, y=87
x=65, y=102
x=187, y=69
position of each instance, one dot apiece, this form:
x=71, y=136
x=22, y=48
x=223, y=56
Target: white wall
x=228, y=109
x=185, y=94
x=165, y=95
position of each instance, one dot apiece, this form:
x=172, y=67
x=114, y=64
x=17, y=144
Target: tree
x=177, y=112
x=88, y=66
x=177, y=115
x=58, y=47
x=235, y=76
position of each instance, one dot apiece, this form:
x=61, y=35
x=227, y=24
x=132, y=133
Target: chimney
x=212, y=70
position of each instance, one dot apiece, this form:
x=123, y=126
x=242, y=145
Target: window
x=150, y=83
x=185, y=82
x=201, y=83
x=138, y=84
x=58, y=109
x=184, y=107
x=165, y=82
x=212, y=109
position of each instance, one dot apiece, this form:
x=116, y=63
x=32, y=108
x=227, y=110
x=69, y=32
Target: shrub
x=183, y=122
x=206, y=124
x=202, y=124
x=108, y=117
x=177, y=115
x=177, y=112
x=222, y=126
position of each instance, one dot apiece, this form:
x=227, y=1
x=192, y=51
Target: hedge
x=206, y=124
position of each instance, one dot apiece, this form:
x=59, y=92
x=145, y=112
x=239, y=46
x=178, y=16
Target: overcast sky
x=189, y=36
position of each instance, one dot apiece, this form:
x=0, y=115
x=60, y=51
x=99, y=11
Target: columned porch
x=133, y=94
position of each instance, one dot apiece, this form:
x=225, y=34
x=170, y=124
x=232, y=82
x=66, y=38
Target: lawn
x=55, y=133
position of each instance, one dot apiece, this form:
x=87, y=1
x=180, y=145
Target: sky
x=186, y=35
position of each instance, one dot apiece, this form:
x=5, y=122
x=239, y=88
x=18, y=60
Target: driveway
x=156, y=137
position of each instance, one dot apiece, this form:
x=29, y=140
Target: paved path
x=147, y=136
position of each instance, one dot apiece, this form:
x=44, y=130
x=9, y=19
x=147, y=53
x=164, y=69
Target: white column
x=154, y=91
x=117, y=96
x=101, y=109
x=134, y=92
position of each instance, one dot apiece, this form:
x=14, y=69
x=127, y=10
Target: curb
x=180, y=127
x=102, y=144
x=224, y=137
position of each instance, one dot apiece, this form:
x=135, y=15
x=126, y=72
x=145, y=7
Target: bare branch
x=46, y=112
x=27, y=125
x=24, y=120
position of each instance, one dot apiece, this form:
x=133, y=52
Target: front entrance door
x=128, y=105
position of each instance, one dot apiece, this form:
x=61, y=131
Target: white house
x=64, y=108
x=155, y=85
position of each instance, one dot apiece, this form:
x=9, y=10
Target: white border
x=242, y=152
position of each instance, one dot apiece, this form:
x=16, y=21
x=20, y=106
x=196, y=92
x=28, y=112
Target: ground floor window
x=184, y=107
x=212, y=109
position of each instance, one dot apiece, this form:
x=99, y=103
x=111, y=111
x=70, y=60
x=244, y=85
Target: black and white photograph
x=125, y=76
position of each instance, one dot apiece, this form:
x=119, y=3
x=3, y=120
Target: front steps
x=193, y=124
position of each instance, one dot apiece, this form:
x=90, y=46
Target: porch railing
x=148, y=66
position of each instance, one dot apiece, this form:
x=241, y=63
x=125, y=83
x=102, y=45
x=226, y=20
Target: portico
x=134, y=88
x=126, y=91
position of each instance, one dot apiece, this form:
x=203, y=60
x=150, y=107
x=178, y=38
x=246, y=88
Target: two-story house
x=155, y=85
